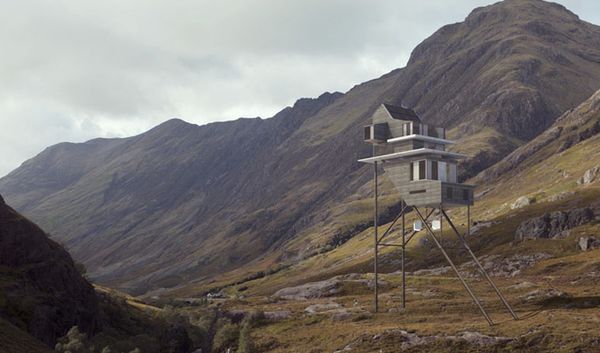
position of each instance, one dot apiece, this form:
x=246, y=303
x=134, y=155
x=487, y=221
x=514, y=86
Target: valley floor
x=557, y=301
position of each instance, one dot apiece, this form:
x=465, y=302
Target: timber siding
x=425, y=192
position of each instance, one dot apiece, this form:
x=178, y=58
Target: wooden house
x=415, y=159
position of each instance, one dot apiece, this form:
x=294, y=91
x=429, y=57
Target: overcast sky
x=75, y=70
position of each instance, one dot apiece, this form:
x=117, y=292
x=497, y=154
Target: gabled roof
x=401, y=113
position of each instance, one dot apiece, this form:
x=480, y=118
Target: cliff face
x=41, y=291
x=575, y=126
x=183, y=202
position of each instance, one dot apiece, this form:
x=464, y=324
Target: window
x=367, y=135
x=465, y=194
x=449, y=193
x=434, y=170
x=433, y=131
x=406, y=129
x=417, y=191
x=416, y=128
x=451, y=172
x=418, y=170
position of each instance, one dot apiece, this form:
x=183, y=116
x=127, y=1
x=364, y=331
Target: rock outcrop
x=325, y=288
x=494, y=265
x=553, y=225
x=404, y=340
x=589, y=176
x=588, y=243
x=521, y=202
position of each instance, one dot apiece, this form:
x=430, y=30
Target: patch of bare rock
x=522, y=202
x=586, y=243
x=405, y=340
x=319, y=308
x=554, y=225
x=326, y=288
x=589, y=176
x=544, y=294
x=494, y=265
x=277, y=315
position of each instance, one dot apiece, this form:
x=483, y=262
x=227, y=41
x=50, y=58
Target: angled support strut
x=487, y=277
x=468, y=289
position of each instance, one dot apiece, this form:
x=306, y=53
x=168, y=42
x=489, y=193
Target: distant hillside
x=184, y=203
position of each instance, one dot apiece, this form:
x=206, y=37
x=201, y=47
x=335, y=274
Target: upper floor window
x=433, y=170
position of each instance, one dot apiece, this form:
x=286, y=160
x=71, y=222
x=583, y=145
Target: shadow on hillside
x=570, y=302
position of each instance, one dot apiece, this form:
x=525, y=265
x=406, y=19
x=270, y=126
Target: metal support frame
x=379, y=241
x=481, y=269
x=460, y=277
x=439, y=243
x=405, y=240
x=376, y=238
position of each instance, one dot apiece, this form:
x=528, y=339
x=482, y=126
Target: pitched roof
x=401, y=113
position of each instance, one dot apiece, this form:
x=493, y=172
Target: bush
x=77, y=342
x=227, y=337
x=246, y=344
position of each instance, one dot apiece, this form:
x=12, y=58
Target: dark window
x=406, y=129
x=380, y=131
x=412, y=171
x=466, y=194
x=449, y=193
x=416, y=129
x=417, y=191
x=418, y=144
x=367, y=133
x=433, y=131
x=434, y=170
x=422, y=174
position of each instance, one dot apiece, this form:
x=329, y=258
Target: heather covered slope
x=184, y=203
x=41, y=291
x=43, y=296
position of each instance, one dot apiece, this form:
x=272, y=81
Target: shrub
x=227, y=337
x=246, y=344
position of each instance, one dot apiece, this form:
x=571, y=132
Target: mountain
x=572, y=128
x=184, y=203
x=41, y=291
x=43, y=297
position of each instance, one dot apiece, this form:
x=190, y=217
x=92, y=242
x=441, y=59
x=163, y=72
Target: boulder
x=544, y=294
x=318, y=308
x=277, y=315
x=588, y=243
x=553, y=225
x=481, y=340
x=561, y=196
x=522, y=285
x=521, y=202
x=589, y=176
x=341, y=315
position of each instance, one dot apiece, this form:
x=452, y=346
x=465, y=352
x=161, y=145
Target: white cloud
x=74, y=70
